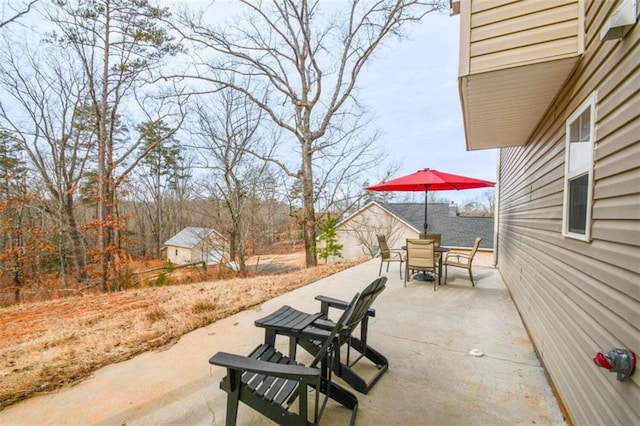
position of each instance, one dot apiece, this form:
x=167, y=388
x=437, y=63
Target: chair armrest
x=458, y=255
x=324, y=324
x=313, y=332
x=333, y=303
x=243, y=363
x=399, y=252
x=322, y=334
x=330, y=302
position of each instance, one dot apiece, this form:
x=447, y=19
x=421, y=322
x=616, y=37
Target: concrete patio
x=426, y=335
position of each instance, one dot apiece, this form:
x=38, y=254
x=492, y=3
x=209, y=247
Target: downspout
x=496, y=212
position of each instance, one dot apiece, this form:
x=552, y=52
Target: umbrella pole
x=426, y=202
x=422, y=275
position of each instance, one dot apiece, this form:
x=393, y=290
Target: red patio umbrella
x=430, y=180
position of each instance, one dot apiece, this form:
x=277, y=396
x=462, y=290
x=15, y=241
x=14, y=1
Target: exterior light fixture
x=620, y=21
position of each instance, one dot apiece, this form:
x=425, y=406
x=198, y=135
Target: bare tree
x=299, y=63
x=481, y=205
x=365, y=231
x=160, y=174
x=119, y=44
x=183, y=190
x=47, y=116
x=14, y=12
x=225, y=135
x=12, y=204
x=271, y=220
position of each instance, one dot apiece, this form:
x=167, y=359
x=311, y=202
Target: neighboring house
x=399, y=221
x=194, y=244
x=556, y=86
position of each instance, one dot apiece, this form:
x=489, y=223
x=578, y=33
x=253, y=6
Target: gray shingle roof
x=189, y=237
x=457, y=231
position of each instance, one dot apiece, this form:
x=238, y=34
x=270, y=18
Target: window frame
x=587, y=104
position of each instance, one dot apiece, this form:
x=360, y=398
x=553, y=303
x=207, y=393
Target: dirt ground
x=46, y=345
x=31, y=319
x=276, y=263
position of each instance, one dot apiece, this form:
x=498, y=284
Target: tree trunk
x=76, y=240
x=242, y=262
x=232, y=246
x=17, y=264
x=103, y=170
x=309, y=220
x=158, y=213
x=111, y=219
x=16, y=286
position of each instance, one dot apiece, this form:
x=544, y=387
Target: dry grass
x=46, y=345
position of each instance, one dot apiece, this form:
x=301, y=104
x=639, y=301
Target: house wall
x=184, y=255
x=213, y=244
x=178, y=255
x=508, y=33
x=358, y=234
x=509, y=47
x=578, y=297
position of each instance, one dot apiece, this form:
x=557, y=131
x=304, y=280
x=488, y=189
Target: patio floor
x=426, y=335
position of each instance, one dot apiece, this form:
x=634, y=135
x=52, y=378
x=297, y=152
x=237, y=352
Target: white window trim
x=590, y=102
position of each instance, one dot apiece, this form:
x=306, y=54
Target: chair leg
x=342, y=396
x=436, y=278
x=401, y=269
x=406, y=274
x=346, y=372
x=233, y=397
x=473, y=284
x=445, y=273
x=380, y=271
x=303, y=404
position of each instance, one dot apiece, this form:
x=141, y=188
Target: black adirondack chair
x=276, y=385
x=303, y=328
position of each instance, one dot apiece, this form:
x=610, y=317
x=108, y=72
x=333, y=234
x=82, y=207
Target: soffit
x=502, y=108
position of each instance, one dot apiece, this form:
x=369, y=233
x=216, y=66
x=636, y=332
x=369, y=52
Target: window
x=176, y=252
x=578, y=171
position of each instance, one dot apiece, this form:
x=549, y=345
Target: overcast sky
x=412, y=87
